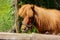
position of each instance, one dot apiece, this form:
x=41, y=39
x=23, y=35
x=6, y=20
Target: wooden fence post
x=15, y=27
x=16, y=16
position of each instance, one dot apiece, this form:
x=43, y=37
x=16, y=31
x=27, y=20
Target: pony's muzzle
x=24, y=28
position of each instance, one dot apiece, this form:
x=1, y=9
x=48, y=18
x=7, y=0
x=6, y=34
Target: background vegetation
x=42, y=3
x=6, y=15
x=7, y=11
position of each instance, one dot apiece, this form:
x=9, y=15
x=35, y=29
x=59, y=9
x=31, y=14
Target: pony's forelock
x=26, y=10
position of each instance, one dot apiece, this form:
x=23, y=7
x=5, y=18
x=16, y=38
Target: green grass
x=6, y=15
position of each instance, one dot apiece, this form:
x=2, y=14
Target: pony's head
x=26, y=12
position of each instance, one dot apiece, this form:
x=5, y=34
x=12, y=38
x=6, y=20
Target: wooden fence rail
x=24, y=36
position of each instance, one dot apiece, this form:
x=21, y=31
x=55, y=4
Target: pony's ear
x=30, y=12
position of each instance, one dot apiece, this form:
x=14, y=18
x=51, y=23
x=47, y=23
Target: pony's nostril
x=26, y=29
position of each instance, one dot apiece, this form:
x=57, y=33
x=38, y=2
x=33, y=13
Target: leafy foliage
x=42, y=3
x=6, y=15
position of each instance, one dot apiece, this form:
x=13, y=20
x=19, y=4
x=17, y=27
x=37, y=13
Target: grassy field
x=6, y=15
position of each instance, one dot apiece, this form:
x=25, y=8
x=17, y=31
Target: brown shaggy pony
x=45, y=20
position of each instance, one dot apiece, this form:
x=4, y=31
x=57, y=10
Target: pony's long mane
x=46, y=19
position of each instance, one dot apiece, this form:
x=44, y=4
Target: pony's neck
x=36, y=20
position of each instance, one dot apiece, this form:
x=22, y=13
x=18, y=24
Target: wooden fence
x=24, y=36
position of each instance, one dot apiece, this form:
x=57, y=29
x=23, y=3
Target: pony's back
x=47, y=19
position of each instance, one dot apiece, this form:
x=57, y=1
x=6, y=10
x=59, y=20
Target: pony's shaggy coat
x=45, y=19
